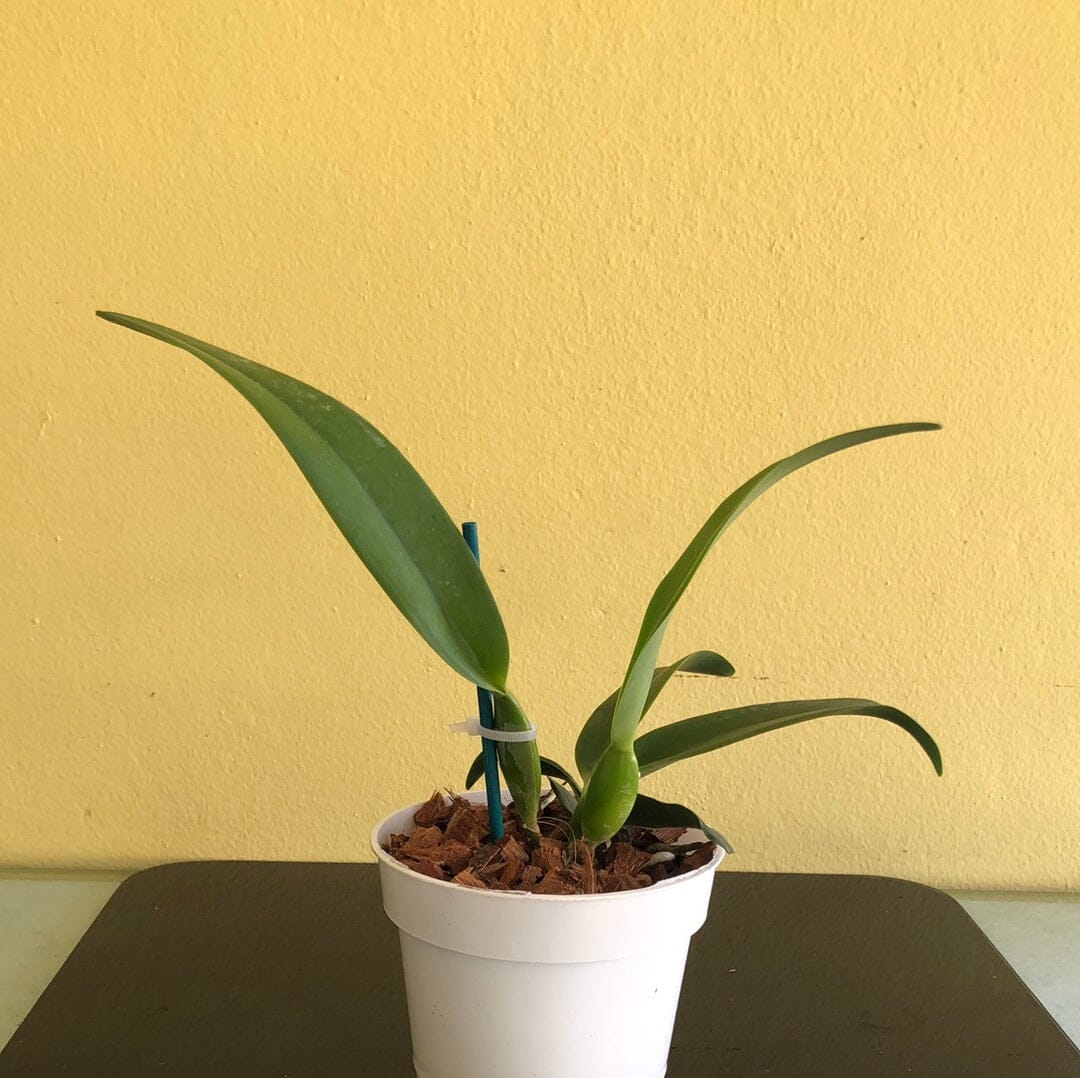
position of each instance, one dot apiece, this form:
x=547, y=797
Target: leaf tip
x=934, y=753
x=118, y=319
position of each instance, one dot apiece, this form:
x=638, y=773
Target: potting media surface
x=452, y=842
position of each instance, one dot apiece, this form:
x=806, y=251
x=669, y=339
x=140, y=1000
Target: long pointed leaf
x=630, y=705
x=595, y=735
x=384, y=509
x=704, y=733
x=648, y=812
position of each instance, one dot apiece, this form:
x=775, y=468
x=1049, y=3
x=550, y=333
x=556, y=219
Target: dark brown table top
x=239, y=969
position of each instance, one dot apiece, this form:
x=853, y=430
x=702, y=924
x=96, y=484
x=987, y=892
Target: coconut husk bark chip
x=452, y=842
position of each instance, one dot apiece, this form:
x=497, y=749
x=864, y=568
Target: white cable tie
x=472, y=727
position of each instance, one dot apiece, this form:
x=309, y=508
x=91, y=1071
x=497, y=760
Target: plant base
x=512, y=985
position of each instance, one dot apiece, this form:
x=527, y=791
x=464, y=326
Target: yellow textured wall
x=589, y=266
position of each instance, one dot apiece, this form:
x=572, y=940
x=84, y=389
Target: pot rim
x=386, y=861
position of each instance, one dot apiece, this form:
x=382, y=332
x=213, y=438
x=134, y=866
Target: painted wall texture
x=589, y=266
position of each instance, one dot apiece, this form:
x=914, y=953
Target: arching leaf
x=648, y=812
x=384, y=509
x=630, y=705
x=704, y=733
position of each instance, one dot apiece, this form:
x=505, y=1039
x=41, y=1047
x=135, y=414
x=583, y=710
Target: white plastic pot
x=509, y=985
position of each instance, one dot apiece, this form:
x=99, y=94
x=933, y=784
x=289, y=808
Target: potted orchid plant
x=581, y=896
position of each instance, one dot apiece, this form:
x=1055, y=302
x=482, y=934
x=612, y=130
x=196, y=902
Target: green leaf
x=648, y=812
x=565, y=796
x=703, y=733
x=519, y=761
x=547, y=767
x=631, y=700
x=595, y=735
x=556, y=771
x=476, y=771
x=384, y=509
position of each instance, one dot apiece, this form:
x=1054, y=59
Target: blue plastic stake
x=487, y=720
